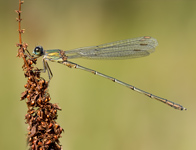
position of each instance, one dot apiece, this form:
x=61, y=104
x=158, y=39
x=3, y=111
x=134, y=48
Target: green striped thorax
x=52, y=55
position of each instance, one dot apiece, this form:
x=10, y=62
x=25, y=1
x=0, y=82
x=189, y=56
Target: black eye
x=38, y=50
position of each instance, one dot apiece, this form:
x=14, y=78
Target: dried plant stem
x=43, y=131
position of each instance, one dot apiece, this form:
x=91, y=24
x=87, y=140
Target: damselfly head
x=38, y=51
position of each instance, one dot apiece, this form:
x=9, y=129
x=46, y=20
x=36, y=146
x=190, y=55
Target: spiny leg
x=46, y=67
x=170, y=103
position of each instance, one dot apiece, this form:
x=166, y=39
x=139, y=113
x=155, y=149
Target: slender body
x=129, y=48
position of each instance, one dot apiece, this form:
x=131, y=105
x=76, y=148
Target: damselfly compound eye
x=38, y=51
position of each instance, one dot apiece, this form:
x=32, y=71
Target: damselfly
x=129, y=48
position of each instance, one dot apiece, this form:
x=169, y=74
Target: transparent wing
x=129, y=48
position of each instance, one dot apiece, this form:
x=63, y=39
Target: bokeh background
x=96, y=113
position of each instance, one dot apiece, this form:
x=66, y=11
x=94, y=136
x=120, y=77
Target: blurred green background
x=96, y=113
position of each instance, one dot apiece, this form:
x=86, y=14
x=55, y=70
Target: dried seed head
x=48, y=142
x=32, y=103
